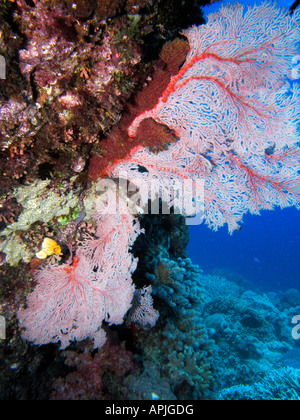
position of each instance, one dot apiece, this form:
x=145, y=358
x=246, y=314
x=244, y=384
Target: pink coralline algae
x=71, y=301
x=71, y=81
x=235, y=113
x=73, y=75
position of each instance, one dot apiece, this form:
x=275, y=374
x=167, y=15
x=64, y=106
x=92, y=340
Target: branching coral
x=178, y=284
x=179, y=347
x=278, y=384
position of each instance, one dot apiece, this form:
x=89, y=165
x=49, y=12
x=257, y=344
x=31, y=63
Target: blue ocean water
x=266, y=251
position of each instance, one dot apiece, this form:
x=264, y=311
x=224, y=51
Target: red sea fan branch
x=271, y=183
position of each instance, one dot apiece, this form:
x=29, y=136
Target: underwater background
x=266, y=251
x=212, y=313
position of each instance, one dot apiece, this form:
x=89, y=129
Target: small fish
x=256, y=260
x=49, y=247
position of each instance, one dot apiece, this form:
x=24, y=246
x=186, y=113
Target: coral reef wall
x=72, y=70
x=82, y=78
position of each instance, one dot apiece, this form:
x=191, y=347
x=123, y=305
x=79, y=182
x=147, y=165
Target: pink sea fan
x=236, y=115
x=175, y=175
x=231, y=92
x=237, y=185
x=70, y=302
